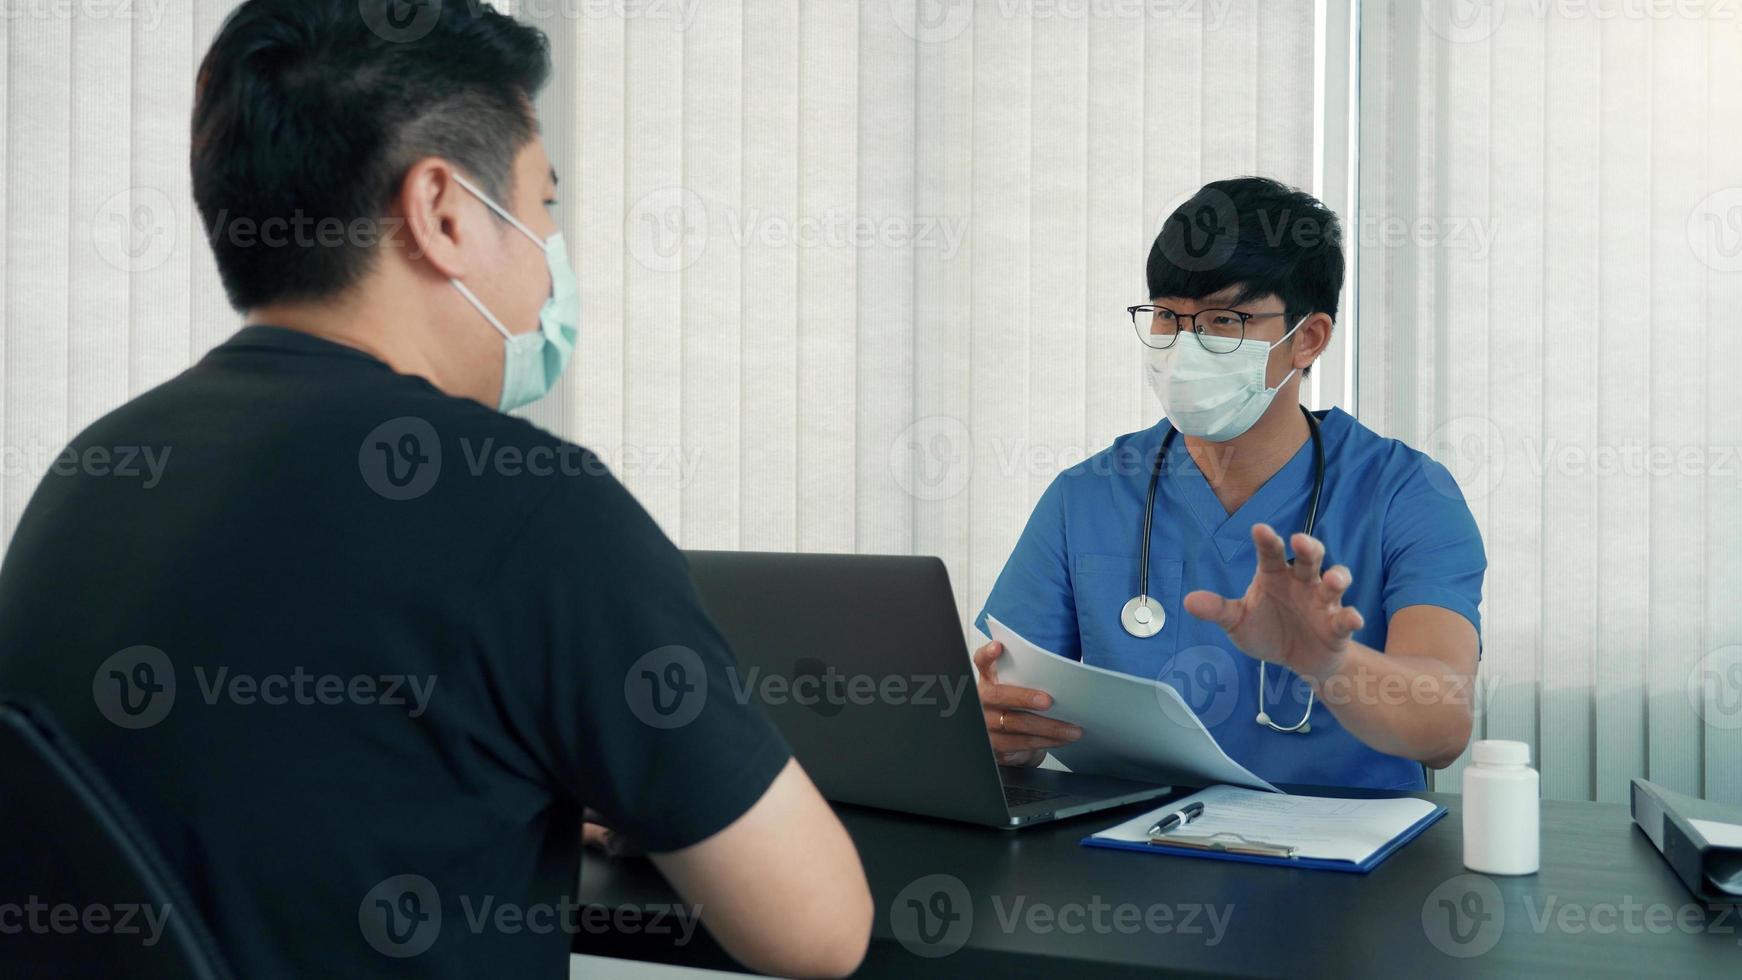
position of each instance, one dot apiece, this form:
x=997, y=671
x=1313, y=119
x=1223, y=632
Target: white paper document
x=1133, y=728
x=1317, y=827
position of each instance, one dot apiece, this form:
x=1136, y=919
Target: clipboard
x=1271, y=849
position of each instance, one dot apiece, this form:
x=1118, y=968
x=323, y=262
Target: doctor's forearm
x=1409, y=706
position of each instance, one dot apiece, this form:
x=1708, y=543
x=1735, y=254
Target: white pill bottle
x=1502, y=803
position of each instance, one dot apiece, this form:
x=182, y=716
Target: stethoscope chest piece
x=1143, y=617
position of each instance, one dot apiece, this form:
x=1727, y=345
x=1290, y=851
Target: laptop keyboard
x=1015, y=796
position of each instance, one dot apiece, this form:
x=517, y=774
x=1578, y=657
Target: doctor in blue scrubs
x=1344, y=657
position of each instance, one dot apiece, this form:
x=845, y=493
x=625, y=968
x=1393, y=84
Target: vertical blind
x=863, y=265
x=1549, y=303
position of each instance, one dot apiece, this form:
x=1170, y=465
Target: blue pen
x=1176, y=819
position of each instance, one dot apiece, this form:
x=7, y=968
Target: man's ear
x=430, y=200
x=1311, y=340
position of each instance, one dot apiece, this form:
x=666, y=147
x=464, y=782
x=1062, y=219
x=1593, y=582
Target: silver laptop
x=859, y=661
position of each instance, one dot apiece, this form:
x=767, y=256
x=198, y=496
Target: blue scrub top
x=1392, y=514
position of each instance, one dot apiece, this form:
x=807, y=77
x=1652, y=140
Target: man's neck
x=356, y=324
x=1236, y=468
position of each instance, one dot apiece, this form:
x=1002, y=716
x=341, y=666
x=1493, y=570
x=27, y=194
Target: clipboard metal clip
x=1227, y=842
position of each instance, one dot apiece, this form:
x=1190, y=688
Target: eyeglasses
x=1218, y=331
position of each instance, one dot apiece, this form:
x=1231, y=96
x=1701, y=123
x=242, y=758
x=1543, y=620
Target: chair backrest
x=83, y=892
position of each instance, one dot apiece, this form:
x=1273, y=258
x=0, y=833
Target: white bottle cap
x=1501, y=752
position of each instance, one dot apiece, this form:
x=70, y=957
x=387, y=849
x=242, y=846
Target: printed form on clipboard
x=1328, y=833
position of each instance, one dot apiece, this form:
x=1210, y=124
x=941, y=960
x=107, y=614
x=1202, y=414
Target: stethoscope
x=1143, y=617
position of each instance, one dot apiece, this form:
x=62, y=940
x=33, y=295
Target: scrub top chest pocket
x=1103, y=584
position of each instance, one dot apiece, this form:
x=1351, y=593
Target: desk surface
x=1036, y=903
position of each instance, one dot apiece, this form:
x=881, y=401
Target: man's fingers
x=1006, y=744
x=1333, y=583
x=1272, y=556
x=985, y=657
x=1309, y=554
x=1212, y=607
x=1012, y=698
x=1022, y=730
x=595, y=836
x=1347, y=620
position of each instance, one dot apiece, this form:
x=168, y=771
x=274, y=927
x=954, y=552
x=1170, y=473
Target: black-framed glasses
x=1218, y=331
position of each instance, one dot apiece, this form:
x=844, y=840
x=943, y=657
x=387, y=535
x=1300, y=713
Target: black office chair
x=66, y=841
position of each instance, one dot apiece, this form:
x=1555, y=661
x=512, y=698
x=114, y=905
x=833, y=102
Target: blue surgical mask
x=532, y=362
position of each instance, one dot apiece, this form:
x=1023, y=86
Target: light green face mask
x=532, y=362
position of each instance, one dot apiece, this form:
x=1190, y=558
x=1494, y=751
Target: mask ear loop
x=460, y=179
x=1282, y=340
x=481, y=308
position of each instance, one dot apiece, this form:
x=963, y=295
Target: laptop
x=859, y=661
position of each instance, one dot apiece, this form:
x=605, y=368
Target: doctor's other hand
x=1019, y=737
x=1291, y=615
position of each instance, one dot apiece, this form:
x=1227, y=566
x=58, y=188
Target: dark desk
x=1035, y=903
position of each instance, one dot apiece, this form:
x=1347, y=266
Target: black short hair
x=308, y=113
x=1256, y=234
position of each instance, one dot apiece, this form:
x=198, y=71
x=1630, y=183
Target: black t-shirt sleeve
x=633, y=692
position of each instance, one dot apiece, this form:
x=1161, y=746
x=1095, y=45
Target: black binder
x=1712, y=870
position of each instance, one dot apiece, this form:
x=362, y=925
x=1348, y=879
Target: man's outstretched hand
x=1291, y=614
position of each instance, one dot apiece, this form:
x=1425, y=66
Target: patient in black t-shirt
x=364, y=649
